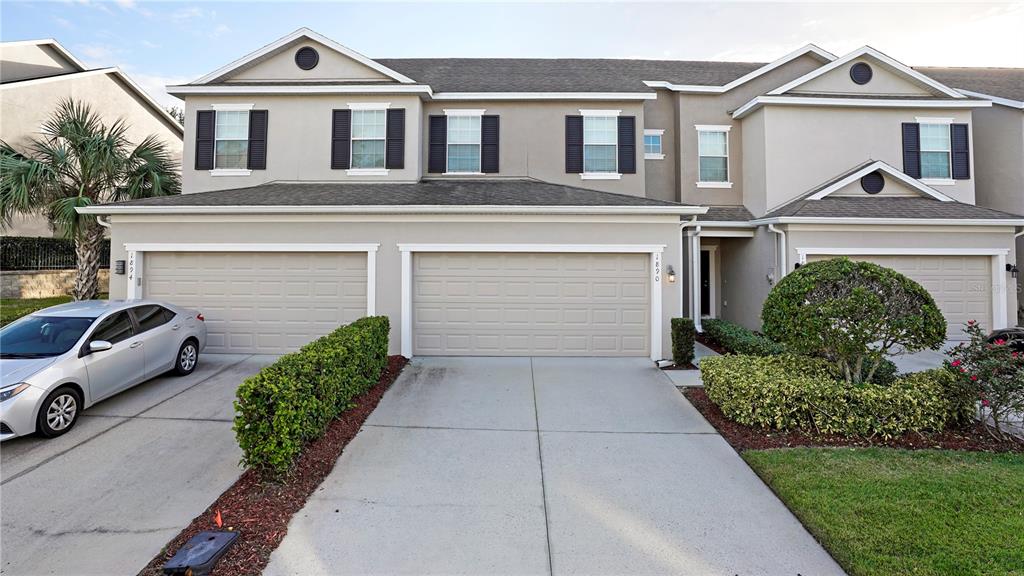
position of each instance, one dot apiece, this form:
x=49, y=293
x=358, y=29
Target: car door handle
x=176, y=326
x=135, y=344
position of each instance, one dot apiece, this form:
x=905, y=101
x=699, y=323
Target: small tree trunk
x=87, y=255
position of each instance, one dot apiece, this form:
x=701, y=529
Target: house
x=998, y=139
x=552, y=206
x=35, y=75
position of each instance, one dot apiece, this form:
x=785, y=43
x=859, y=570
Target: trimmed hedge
x=740, y=340
x=683, y=334
x=789, y=392
x=290, y=402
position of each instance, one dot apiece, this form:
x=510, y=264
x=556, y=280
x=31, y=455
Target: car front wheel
x=188, y=357
x=59, y=412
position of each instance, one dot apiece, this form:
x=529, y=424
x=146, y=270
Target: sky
x=161, y=43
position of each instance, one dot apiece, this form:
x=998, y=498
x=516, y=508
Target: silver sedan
x=58, y=361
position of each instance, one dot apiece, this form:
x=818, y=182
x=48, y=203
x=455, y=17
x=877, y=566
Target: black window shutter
x=912, y=149
x=341, y=139
x=395, y=144
x=258, y=120
x=574, y=144
x=489, y=144
x=205, y=121
x=627, y=144
x=437, y=153
x=961, y=152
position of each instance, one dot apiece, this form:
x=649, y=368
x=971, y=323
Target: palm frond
x=24, y=183
x=150, y=170
x=66, y=219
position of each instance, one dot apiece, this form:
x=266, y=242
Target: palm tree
x=80, y=161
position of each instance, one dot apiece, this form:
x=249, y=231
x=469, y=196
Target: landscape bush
x=683, y=333
x=989, y=374
x=738, y=339
x=290, y=402
x=790, y=392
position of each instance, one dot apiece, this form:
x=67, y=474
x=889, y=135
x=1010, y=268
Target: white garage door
x=483, y=304
x=961, y=285
x=261, y=302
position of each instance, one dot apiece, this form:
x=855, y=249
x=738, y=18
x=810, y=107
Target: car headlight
x=11, y=392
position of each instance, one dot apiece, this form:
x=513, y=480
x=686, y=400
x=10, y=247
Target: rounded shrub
x=853, y=314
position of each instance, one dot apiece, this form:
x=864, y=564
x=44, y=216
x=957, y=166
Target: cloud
x=191, y=13
x=149, y=44
x=64, y=23
x=220, y=30
x=156, y=86
x=97, y=54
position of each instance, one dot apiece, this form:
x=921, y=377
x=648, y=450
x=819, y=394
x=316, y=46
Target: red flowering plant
x=994, y=374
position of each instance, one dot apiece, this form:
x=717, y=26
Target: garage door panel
x=960, y=285
x=531, y=304
x=262, y=302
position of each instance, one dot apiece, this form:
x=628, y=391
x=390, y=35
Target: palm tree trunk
x=87, y=255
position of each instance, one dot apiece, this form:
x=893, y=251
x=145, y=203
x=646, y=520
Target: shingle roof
x=1001, y=82
x=561, y=74
x=511, y=192
x=887, y=207
x=726, y=214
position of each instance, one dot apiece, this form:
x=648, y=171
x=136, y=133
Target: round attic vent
x=872, y=183
x=306, y=58
x=860, y=73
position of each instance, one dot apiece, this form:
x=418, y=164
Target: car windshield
x=41, y=336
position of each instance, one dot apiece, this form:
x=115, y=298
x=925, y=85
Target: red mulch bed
x=261, y=511
x=703, y=339
x=971, y=438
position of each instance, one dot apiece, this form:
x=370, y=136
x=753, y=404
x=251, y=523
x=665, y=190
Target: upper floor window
x=936, y=151
x=231, y=135
x=368, y=138
x=600, y=144
x=713, y=156
x=652, y=144
x=464, y=143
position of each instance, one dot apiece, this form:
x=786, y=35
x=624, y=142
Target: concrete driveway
x=542, y=466
x=106, y=497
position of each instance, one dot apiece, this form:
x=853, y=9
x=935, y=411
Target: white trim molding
x=137, y=251
x=878, y=165
x=996, y=99
x=939, y=181
x=854, y=101
x=544, y=96
x=390, y=209
x=655, y=250
x=310, y=35
x=230, y=172
x=891, y=221
x=600, y=176
x=811, y=49
x=867, y=51
x=602, y=113
x=714, y=184
x=658, y=156
x=713, y=127
x=932, y=120
x=367, y=172
x=299, y=89
x=654, y=131
x=240, y=107
x=464, y=111
x=369, y=105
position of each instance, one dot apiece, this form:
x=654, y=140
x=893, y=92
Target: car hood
x=14, y=370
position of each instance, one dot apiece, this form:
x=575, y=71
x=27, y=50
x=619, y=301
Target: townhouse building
x=555, y=206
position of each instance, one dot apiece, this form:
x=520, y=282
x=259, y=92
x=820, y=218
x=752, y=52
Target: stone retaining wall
x=43, y=283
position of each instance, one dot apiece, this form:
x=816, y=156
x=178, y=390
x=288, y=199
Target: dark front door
x=705, y=283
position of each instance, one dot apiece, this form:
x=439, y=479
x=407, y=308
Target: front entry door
x=705, y=283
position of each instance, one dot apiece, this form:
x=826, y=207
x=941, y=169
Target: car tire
x=59, y=412
x=187, y=359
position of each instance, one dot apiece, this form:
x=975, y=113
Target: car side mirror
x=99, y=346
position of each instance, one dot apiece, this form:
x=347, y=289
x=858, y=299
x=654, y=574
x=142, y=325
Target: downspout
x=782, y=249
x=694, y=274
x=682, y=299
x=102, y=222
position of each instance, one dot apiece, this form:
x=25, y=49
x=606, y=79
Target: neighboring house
x=35, y=75
x=998, y=139
x=552, y=206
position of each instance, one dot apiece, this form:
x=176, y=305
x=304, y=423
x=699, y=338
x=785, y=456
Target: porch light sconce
x=119, y=267
x=671, y=274
x=1012, y=269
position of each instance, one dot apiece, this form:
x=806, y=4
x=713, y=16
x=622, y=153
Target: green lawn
x=890, y=512
x=13, y=308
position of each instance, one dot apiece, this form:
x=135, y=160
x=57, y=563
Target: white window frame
x=921, y=121
x=615, y=174
x=728, y=168
x=661, y=144
x=478, y=112
x=371, y=107
x=218, y=108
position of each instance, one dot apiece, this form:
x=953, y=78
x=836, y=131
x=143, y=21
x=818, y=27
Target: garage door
x=261, y=302
x=482, y=304
x=961, y=285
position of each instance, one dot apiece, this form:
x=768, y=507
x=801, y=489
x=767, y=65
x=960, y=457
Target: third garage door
x=484, y=304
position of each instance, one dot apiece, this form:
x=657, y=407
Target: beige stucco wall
x=298, y=140
x=883, y=82
x=662, y=176
x=753, y=150
x=391, y=230
x=23, y=110
x=331, y=66
x=532, y=140
x=808, y=145
x=746, y=264
x=21, y=61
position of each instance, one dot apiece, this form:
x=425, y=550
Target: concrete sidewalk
x=108, y=495
x=542, y=466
